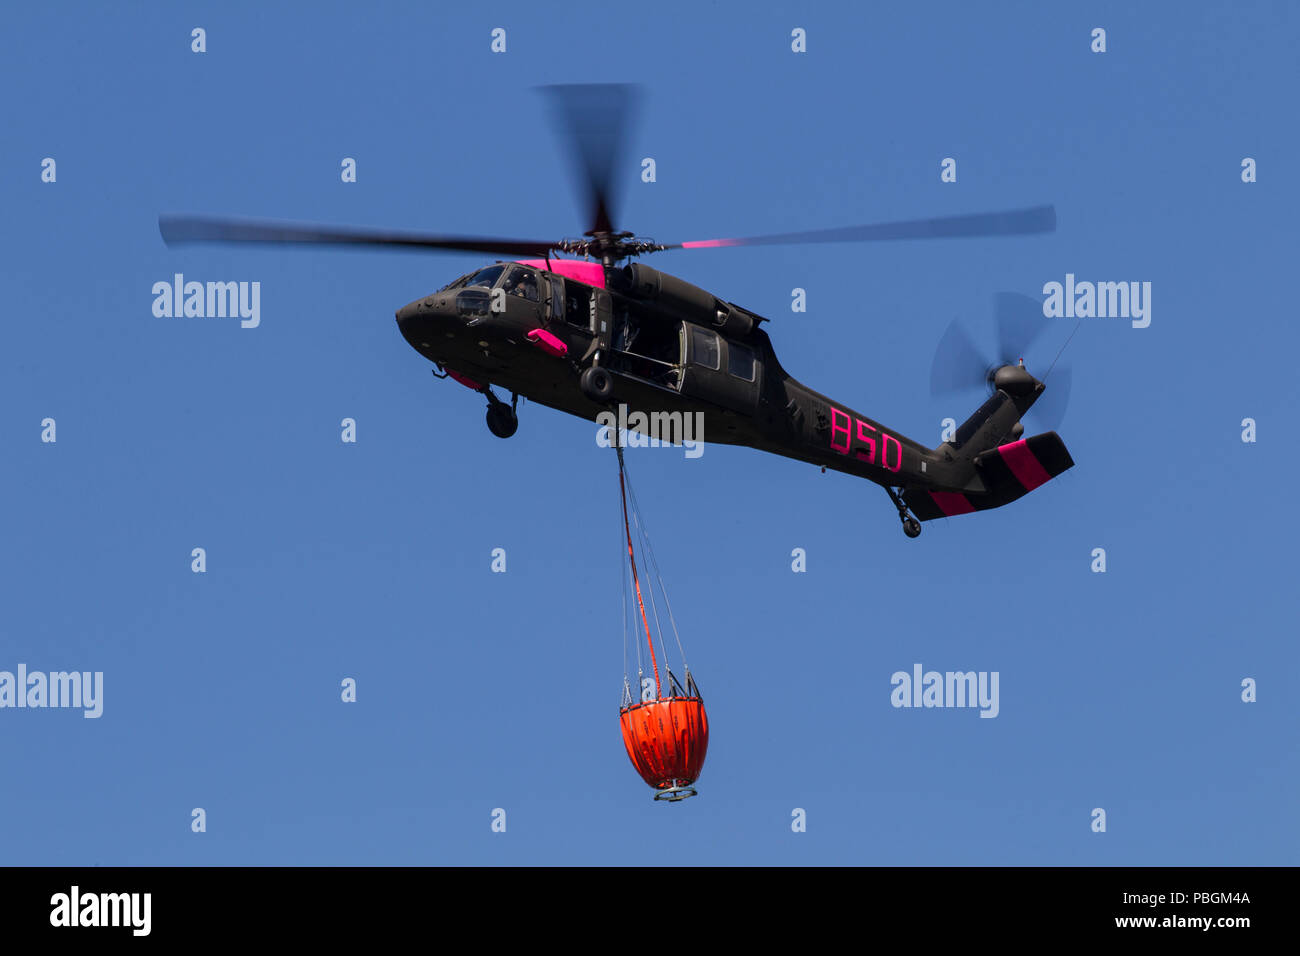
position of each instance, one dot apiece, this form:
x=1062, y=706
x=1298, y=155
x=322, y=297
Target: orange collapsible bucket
x=667, y=740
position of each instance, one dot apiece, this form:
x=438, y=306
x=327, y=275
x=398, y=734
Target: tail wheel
x=911, y=527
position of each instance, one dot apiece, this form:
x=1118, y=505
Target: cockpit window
x=487, y=277
x=521, y=282
x=457, y=283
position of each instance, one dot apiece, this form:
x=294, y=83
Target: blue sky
x=371, y=560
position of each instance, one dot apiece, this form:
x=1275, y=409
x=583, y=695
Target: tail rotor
x=961, y=367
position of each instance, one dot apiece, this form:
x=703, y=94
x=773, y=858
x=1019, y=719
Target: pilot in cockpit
x=522, y=283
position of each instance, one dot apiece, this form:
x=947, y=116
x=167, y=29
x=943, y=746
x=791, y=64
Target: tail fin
x=1004, y=474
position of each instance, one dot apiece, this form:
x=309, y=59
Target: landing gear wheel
x=911, y=527
x=502, y=420
x=597, y=384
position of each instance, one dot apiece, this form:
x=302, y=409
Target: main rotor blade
x=958, y=365
x=594, y=118
x=179, y=229
x=1014, y=222
x=1020, y=322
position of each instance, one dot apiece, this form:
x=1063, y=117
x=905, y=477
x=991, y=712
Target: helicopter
x=584, y=335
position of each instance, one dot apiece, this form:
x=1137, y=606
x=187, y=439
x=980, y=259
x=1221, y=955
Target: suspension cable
x=623, y=574
x=622, y=577
x=654, y=605
x=627, y=529
x=653, y=565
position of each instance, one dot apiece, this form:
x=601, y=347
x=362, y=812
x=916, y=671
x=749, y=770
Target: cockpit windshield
x=487, y=277
x=456, y=283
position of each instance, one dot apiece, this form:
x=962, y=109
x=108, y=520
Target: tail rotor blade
x=1020, y=322
x=1049, y=410
x=958, y=364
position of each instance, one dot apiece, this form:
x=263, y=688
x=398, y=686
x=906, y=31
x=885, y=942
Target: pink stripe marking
x=589, y=273
x=709, y=243
x=547, y=342
x=1028, y=470
x=467, y=382
x=952, y=503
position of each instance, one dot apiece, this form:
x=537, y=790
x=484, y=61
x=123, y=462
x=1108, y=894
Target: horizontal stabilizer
x=1006, y=473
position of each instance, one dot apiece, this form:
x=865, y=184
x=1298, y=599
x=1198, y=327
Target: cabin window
x=740, y=361
x=704, y=347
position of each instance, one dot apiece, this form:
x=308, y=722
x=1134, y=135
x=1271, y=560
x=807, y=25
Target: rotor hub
x=609, y=245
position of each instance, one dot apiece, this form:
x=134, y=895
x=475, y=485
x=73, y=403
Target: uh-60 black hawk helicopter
x=583, y=335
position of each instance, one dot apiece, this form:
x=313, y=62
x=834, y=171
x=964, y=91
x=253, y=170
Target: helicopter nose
x=425, y=315
x=421, y=321
x=412, y=311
